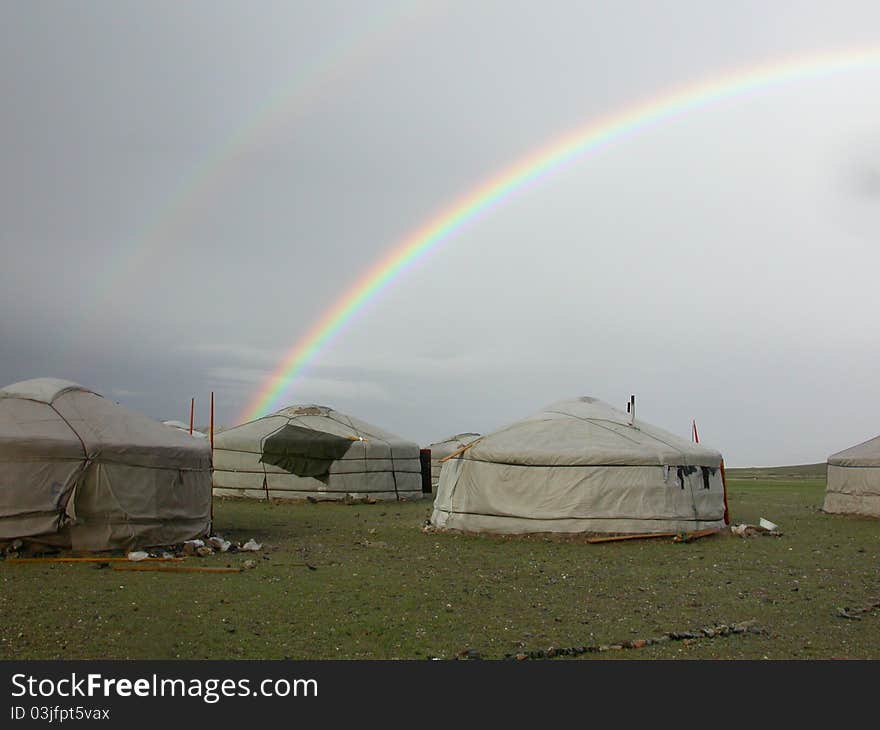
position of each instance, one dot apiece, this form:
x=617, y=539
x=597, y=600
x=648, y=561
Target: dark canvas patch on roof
x=304, y=452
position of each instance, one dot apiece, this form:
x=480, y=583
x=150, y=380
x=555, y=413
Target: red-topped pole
x=211, y=436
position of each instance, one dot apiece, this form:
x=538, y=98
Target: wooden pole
x=676, y=536
x=724, y=489
x=175, y=568
x=696, y=535
x=113, y=559
x=696, y=433
x=461, y=450
x=640, y=536
x=192, y=413
x=211, y=436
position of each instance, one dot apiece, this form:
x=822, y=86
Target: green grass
x=798, y=471
x=407, y=594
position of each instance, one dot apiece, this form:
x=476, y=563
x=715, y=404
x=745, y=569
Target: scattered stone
x=356, y=498
x=249, y=564
x=854, y=613
x=846, y=613
x=219, y=544
x=686, y=637
x=741, y=627
x=752, y=530
x=137, y=555
x=204, y=551
x=190, y=546
x=251, y=546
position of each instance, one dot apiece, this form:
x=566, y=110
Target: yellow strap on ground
x=175, y=568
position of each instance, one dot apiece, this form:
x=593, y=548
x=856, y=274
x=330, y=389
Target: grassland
x=385, y=589
x=799, y=471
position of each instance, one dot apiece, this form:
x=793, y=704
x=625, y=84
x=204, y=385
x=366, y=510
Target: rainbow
x=339, y=60
x=528, y=170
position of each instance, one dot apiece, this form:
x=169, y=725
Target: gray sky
x=187, y=187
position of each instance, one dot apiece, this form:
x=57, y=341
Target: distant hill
x=797, y=471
